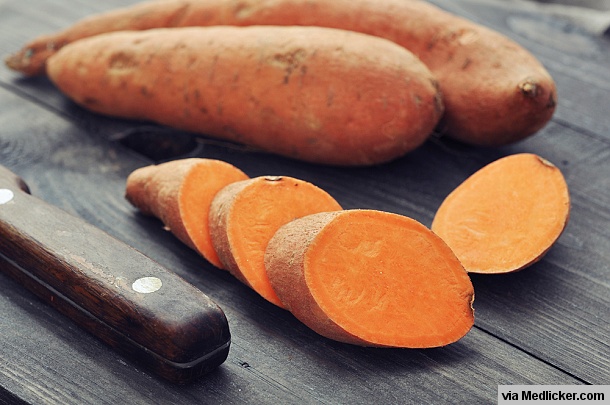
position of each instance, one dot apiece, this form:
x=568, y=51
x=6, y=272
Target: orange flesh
x=389, y=281
x=506, y=216
x=259, y=211
x=198, y=189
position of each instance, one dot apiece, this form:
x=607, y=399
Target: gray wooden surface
x=546, y=325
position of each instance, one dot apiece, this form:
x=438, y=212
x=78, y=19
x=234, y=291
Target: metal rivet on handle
x=147, y=285
x=6, y=195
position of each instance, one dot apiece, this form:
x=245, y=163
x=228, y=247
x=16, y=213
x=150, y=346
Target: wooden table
x=549, y=324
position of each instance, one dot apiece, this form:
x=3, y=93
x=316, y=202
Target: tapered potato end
x=180, y=193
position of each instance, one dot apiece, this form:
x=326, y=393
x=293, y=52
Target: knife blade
x=118, y=294
x=158, y=143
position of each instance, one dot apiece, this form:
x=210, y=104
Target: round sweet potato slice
x=506, y=216
x=371, y=278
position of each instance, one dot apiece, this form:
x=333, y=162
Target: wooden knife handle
x=115, y=292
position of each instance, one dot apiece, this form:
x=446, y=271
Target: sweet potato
x=371, y=278
x=316, y=94
x=506, y=216
x=180, y=193
x=495, y=91
x=245, y=215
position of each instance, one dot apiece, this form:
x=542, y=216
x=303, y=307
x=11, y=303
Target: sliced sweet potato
x=371, y=278
x=245, y=215
x=506, y=216
x=180, y=193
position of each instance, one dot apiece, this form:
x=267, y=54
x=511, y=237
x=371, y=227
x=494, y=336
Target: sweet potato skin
x=153, y=197
x=495, y=91
x=287, y=247
x=315, y=94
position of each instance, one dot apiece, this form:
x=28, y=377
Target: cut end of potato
x=245, y=215
x=371, y=278
x=506, y=216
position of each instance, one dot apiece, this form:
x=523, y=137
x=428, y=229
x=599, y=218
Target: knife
x=121, y=296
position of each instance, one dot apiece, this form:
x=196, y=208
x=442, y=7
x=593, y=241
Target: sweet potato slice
x=506, y=216
x=371, y=278
x=245, y=215
x=180, y=193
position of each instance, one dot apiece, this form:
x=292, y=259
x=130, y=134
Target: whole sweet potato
x=316, y=94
